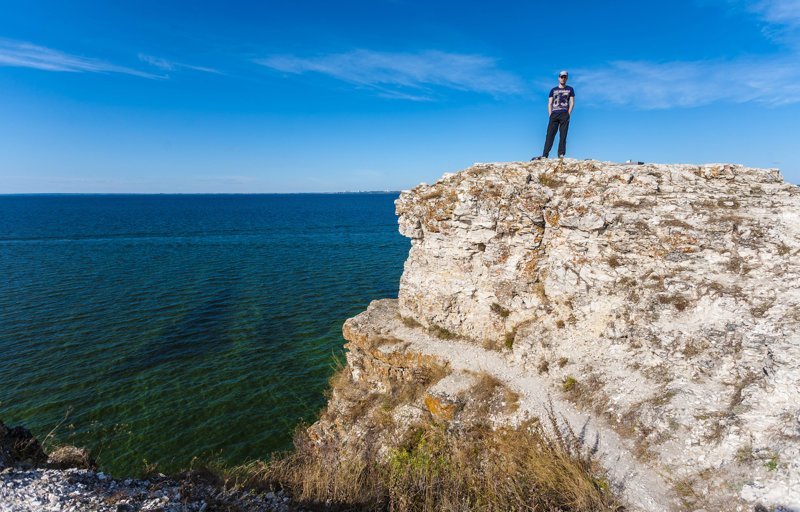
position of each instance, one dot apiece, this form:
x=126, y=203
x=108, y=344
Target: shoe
x=561, y=156
x=538, y=158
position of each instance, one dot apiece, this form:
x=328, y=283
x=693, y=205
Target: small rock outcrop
x=655, y=308
x=19, y=447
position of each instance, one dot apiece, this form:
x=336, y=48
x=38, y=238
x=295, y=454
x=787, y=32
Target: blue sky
x=302, y=96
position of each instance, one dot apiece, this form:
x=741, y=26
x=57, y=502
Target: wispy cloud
x=26, y=55
x=771, y=80
x=779, y=19
x=168, y=65
x=650, y=85
x=411, y=76
x=781, y=12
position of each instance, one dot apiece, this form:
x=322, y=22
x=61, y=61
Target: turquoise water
x=171, y=326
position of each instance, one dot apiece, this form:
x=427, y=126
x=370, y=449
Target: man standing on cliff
x=559, y=107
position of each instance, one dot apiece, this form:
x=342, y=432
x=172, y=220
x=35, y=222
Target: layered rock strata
x=654, y=308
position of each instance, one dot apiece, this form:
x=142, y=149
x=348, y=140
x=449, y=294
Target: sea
x=163, y=331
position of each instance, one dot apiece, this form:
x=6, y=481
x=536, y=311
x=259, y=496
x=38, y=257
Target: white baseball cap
x=563, y=73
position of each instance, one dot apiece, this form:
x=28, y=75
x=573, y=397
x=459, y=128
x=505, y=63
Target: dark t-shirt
x=561, y=96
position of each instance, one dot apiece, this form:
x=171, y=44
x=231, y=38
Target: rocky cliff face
x=654, y=308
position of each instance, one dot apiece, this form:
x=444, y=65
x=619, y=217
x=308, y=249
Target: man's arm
x=571, y=104
x=549, y=105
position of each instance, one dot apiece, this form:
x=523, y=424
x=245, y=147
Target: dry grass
x=694, y=348
x=686, y=493
x=540, y=292
x=641, y=227
x=318, y=477
x=677, y=301
x=736, y=265
x=437, y=470
x=729, y=203
x=722, y=420
x=500, y=310
x=409, y=322
x=502, y=470
x=509, y=339
x=68, y=456
x=488, y=396
x=408, y=391
x=429, y=467
x=613, y=261
x=744, y=455
x=544, y=366
x=569, y=384
x=630, y=424
x=675, y=223
x=759, y=310
x=432, y=194
x=433, y=467
x=736, y=397
x=733, y=219
x=550, y=180
x=361, y=403
x=376, y=341
x=442, y=333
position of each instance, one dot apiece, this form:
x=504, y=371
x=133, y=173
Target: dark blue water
x=173, y=326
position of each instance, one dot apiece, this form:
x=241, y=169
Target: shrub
x=677, y=300
x=550, y=180
x=772, y=463
x=500, y=310
x=410, y=322
x=544, y=366
x=442, y=333
x=67, y=456
x=509, y=339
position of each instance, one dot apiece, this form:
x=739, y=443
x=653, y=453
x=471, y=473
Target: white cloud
x=781, y=12
x=771, y=80
x=779, y=19
x=405, y=75
x=27, y=55
x=167, y=65
x=647, y=85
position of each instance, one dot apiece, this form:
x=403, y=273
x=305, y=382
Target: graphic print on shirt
x=561, y=98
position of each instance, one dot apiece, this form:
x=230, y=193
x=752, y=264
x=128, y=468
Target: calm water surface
x=173, y=326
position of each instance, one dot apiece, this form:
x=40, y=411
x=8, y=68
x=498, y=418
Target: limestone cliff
x=655, y=308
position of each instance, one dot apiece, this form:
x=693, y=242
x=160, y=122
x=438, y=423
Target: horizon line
x=6, y=194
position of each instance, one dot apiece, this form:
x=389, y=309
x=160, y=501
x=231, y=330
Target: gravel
x=82, y=490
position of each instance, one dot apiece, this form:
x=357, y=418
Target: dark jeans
x=558, y=121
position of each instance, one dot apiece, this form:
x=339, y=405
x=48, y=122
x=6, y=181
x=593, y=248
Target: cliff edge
x=653, y=310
